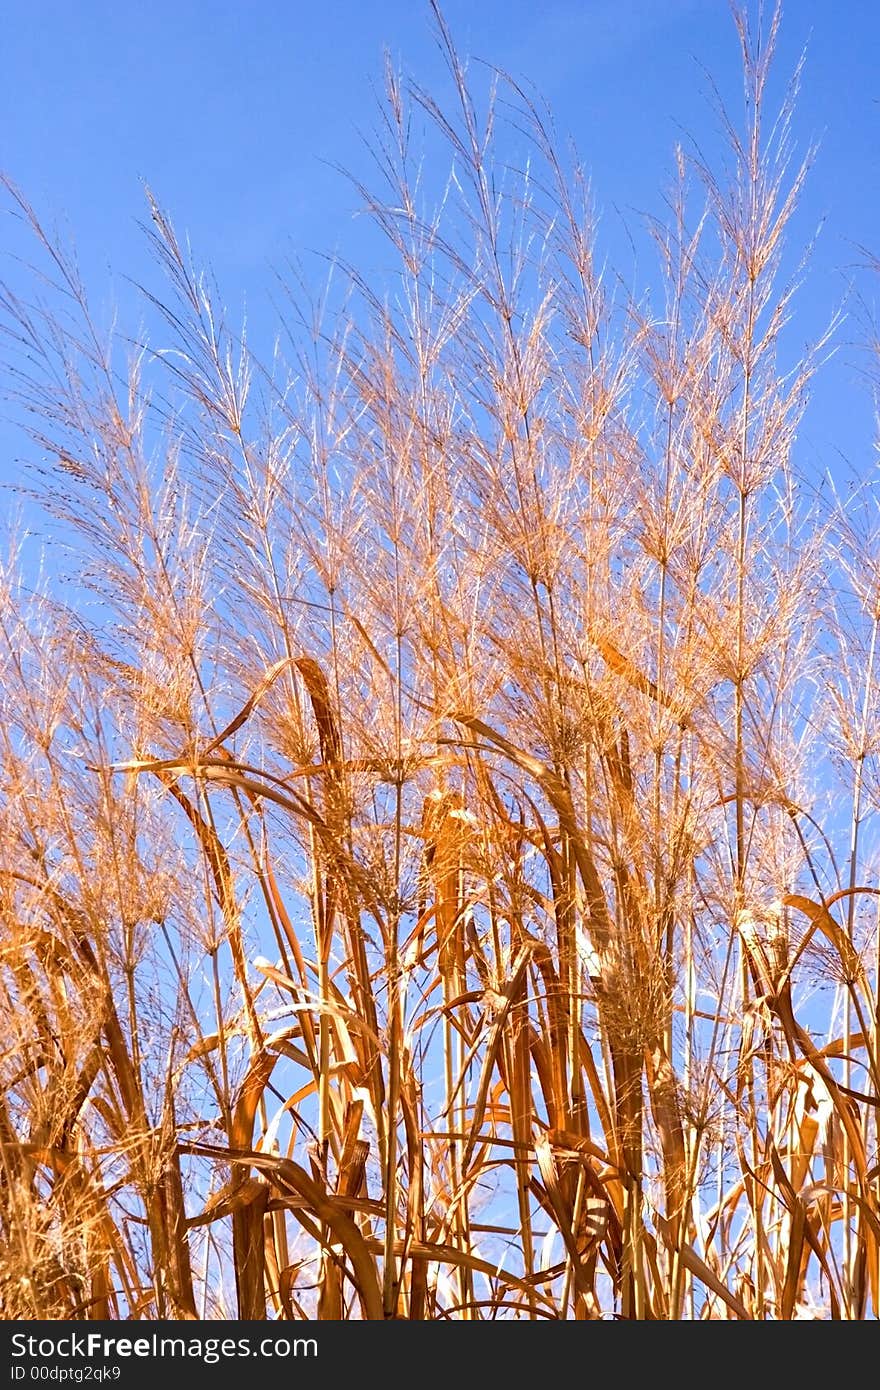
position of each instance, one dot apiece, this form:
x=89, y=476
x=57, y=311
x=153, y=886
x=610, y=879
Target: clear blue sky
x=234, y=114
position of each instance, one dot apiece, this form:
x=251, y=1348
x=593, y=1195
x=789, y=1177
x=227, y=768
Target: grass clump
x=437, y=863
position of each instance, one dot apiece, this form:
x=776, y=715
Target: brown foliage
x=417, y=860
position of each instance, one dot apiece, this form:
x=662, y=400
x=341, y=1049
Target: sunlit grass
x=437, y=859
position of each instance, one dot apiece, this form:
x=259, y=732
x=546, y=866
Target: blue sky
x=236, y=114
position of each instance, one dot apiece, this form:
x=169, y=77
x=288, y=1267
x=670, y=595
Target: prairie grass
x=438, y=860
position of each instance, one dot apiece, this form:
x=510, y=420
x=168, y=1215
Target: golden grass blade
x=494, y=1043
x=248, y=708
x=289, y=1177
